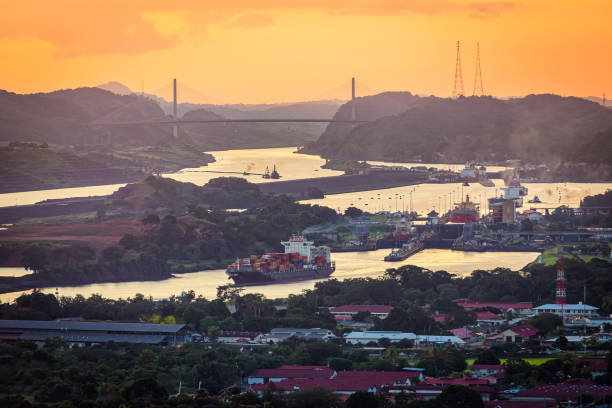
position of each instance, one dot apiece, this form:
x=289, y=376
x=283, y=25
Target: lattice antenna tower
x=478, y=89
x=458, y=87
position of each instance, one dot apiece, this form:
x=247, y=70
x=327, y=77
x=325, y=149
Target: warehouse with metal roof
x=77, y=332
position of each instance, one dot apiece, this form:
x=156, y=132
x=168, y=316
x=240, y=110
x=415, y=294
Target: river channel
x=348, y=265
x=421, y=198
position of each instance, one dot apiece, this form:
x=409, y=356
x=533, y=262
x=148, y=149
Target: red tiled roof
x=487, y=316
x=379, y=374
x=463, y=333
x=361, y=308
x=524, y=331
x=518, y=404
x=480, y=388
x=348, y=381
x=449, y=380
x=592, y=364
x=288, y=371
x=569, y=389
x=498, y=305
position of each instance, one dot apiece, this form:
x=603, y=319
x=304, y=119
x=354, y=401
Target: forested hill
x=404, y=127
x=64, y=117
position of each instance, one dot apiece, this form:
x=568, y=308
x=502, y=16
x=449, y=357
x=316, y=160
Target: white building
x=348, y=311
x=425, y=340
x=367, y=336
x=567, y=310
x=277, y=335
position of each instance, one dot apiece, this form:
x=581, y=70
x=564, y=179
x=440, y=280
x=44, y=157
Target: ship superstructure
x=300, y=261
x=465, y=212
x=503, y=208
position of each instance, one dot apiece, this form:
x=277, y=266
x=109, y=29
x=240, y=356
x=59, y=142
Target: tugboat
x=535, y=199
x=273, y=175
x=300, y=261
x=405, y=251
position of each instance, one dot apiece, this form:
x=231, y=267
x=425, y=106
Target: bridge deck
x=187, y=121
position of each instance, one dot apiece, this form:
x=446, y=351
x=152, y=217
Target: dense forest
x=536, y=129
x=407, y=288
x=137, y=375
x=184, y=228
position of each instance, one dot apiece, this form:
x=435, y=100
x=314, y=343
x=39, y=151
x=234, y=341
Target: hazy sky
x=289, y=50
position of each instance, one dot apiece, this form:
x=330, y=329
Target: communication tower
x=478, y=89
x=561, y=296
x=458, y=88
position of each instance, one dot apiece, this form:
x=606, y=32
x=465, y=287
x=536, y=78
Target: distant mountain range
x=73, y=117
x=295, y=110
x=405, y=127
x=66, y=117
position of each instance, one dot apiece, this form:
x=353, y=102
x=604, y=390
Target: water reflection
x=349, y=265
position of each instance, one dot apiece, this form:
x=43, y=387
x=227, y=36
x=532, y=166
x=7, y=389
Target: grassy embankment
x=551, y=255
x=346, y=230
x=531, y=360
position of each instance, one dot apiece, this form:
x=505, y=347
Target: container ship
x=465, y=212
x=300, y=261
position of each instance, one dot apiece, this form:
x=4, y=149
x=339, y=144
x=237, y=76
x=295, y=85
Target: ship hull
x=249, y=278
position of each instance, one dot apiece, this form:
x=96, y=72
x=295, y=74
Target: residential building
x=365, y=337
x=348, y=311
x=345, y=382
x=485, y=370
x=464, y=333
x=275, y=375
x=564, y=392
x=517, y=334
x=277, y=335
x=431, y=387
x=488, y=319
x=522, y=308
x=568, y=310
x=239, y=337
x=596, y=366
x=431, y=340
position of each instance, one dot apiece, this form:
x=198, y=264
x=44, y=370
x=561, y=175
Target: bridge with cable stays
x=175, y=121
x=253, y=120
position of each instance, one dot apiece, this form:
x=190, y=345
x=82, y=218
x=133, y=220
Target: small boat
x=404, y=252
x=535, y=199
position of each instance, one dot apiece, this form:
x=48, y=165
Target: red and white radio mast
x=561, y=296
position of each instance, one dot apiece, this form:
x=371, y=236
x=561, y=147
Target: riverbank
x=344, y=184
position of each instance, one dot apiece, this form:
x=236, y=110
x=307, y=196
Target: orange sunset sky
x=289, y=50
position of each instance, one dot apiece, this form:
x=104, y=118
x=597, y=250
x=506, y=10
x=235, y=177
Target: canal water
x=421, y=198
x=348, y=265
x=297, y=166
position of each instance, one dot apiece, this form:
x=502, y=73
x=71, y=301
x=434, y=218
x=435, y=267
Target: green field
x=550, y=255
x=531, y=360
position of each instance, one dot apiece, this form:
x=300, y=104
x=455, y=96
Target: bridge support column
x=353, y=98
x=175, y=127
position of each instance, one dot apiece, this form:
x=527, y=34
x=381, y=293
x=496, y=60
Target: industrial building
x=80, y=333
